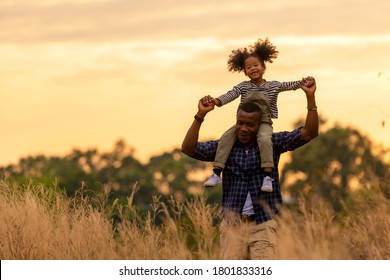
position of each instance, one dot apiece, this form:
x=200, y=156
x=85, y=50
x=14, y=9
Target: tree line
x=339, y=163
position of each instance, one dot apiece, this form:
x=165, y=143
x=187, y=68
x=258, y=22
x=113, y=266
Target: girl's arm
x=294, y=85
x=231, y=95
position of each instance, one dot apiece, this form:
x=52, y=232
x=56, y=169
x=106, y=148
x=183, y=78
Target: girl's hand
x=206, y=104
x=307, y=82
x=309, y=85
x=207, y=100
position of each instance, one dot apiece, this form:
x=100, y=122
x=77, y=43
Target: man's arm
x=310, y=129
x=205, y=105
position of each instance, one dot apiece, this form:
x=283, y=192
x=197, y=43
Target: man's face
x=247, y=126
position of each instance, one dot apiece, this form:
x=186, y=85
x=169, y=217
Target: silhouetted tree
x=335, y=163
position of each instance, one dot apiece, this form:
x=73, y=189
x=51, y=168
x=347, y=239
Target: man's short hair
x=250, y=107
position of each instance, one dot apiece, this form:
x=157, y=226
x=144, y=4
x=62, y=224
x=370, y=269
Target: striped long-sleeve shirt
x=275, y=87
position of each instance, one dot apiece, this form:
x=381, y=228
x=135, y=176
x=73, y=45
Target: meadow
x=39, y=222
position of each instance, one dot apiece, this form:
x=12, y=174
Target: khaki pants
x=264, y=135
x=248, y=241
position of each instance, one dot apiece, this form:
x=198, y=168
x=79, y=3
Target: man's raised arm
x=310, y=129
x=205, y=105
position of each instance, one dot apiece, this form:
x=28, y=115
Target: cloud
x=120, y=20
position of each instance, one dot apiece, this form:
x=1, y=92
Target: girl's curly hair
x=263, y=49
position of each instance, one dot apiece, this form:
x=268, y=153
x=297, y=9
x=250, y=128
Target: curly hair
x=262, y=49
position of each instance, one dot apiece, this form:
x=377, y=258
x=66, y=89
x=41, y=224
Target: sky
x=84, y=74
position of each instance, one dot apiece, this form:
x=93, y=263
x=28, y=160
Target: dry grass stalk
x=39, y=222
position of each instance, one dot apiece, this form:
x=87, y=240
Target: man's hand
x=308, y=85
x=205, y=105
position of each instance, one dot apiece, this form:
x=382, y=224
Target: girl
x=252, y=61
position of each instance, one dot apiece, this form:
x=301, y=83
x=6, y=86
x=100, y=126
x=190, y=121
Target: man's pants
x=248, y=240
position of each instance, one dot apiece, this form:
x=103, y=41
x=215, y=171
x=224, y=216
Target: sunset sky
x=83, y=73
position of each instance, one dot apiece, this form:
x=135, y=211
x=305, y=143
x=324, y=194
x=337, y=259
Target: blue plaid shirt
x=243, y=174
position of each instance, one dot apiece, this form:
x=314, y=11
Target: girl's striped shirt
x=275, y=87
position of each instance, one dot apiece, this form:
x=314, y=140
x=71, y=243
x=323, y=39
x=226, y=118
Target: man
x=248, y=228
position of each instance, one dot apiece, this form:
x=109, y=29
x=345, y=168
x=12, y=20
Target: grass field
x=39, y=222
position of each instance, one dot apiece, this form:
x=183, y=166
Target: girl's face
x=254, y=68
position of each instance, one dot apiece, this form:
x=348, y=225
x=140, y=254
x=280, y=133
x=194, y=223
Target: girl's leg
x=225, y=144
x=264, y=140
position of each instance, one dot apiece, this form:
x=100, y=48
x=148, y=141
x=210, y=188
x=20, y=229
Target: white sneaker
x=213, y=181
x=267, y=184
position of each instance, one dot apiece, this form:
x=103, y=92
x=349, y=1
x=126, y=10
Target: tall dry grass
x=38, y=222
